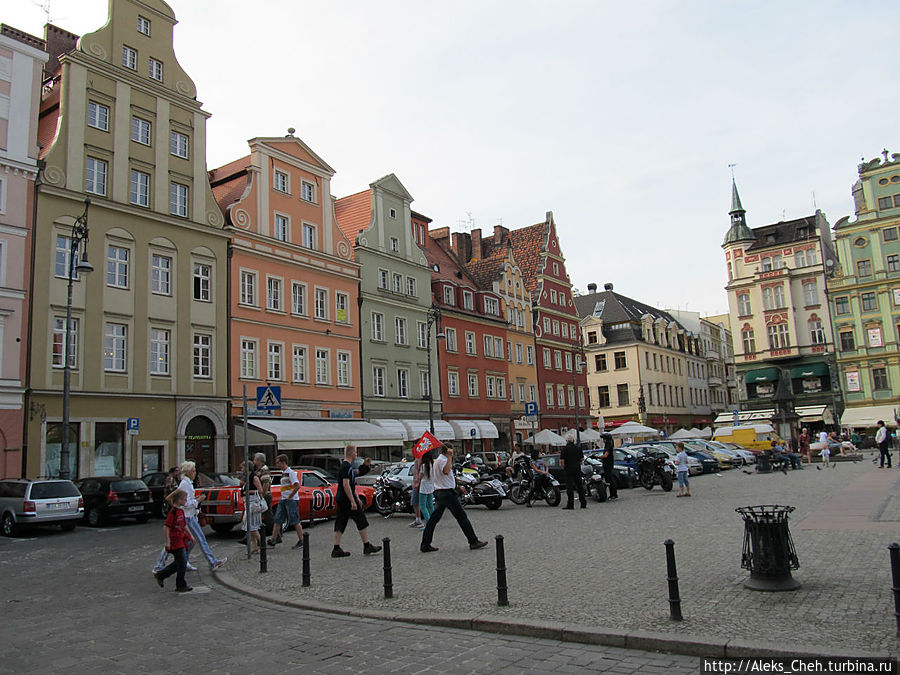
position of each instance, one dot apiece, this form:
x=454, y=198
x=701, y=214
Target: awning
x=463, y=429
x=761, y=375
x=415, y=429
x=395, y=427
x=324, y=434
x=814, y=413
x=745, y=417
x=809, y=370
x=868, y=416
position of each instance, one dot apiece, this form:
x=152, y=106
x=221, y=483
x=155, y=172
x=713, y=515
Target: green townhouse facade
x=864, y=296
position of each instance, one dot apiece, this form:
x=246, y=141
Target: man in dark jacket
x=609, y=462
x=572, y=457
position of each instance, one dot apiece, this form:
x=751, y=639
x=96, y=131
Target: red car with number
x=224, y=506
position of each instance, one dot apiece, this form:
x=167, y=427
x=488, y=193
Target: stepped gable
x=354, y=214
x=528, y=249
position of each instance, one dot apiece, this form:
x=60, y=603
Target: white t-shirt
x=682, y=460
x=442, y=481
x=191, y=505
x=881, y=435
x=823, y=437
x=288, y=480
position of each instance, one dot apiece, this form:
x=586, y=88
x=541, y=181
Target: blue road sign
x=735, y=418
x=134, y=425
x=268, y=398
x=531, y=408
x=472, y=432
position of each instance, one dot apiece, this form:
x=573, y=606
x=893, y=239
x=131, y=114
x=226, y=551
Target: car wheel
x=553, y=496
x=143, y=519
x=94, y=517
x=8, y=525
x=68, y=526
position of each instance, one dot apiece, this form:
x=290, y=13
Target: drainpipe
x=30, y=292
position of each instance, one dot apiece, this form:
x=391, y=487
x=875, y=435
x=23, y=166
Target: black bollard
x=502, y=596
x=263, y=554
x=388, y=575
x=895, y=579
x=672, y=576
x=306, y=559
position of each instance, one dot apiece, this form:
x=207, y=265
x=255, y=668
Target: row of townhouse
x=208, y=286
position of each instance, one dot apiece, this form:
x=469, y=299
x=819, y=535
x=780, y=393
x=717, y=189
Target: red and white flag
x=424, y=444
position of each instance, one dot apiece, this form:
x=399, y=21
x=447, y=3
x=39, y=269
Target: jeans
x=885, y=451
x=197, y=533
x=683, y=480
x=426, y=505
x=793, y=459
x=448, y=499
x=178, y=567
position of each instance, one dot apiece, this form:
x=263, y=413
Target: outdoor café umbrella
x=682, y=434
x=545, y=437
x=588, y=435
x=634, y=429
x=706, y=432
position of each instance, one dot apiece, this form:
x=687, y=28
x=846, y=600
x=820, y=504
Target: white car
x=746, y=455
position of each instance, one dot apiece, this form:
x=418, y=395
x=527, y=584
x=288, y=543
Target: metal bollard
x=502, y=596
x=263, y=552
x=672, y=576
x=895, y=579
x=306, y=559
x=388, y=576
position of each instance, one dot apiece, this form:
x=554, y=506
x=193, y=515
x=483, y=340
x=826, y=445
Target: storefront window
x=109, y=448
x=151, y=458
x=53, y=444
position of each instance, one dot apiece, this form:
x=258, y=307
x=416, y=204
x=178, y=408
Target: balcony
x=715, y=381
x=712, y=355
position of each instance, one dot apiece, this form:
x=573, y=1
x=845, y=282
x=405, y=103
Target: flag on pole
x=424, y=444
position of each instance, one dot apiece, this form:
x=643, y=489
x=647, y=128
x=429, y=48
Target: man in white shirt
x=445, y=497
x=287, y=513
x=881, y=439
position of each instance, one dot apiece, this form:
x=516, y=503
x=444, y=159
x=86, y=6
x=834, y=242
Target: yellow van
x=752, y=436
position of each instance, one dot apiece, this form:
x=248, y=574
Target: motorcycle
x=653, y=470
x=594, y=483
x=392, y=495
x=487, y=491
x=522, y=488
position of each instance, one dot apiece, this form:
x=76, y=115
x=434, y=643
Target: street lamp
x=434, y=315
x=578, y=362
x=76, y=264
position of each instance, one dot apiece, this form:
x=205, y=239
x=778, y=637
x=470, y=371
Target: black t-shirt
x=346, y=471
x=571, y=457
x=609, y=458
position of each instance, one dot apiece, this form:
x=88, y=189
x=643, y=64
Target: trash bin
x=768, y=550
x=763, y=462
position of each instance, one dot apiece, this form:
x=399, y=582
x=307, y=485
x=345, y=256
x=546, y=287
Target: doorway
x=199, y=444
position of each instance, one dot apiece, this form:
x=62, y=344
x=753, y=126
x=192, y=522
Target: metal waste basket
x=763, y=462
x=768, y=550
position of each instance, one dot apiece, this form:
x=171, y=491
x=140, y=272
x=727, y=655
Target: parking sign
x=134, y=426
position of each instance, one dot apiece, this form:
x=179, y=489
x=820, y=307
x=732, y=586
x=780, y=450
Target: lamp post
x=578, y=362
x=642, y=405
x=434, y=315
x=76, y=264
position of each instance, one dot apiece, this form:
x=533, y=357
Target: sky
x=621, y=118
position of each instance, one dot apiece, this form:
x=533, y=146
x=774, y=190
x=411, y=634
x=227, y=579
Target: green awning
x=761, y=375
x=810, y=370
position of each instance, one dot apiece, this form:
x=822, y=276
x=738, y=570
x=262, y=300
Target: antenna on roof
x=815, y=208
x=468, y=224
x=782, y=215
x=45, y=7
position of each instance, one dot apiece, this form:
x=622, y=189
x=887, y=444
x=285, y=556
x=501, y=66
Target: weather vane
x=731, y=166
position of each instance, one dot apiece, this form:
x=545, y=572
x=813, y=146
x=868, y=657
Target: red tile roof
x=487, y=270
x=354, y=213
x=49, y=118
x=228, y=182
x=528, y=247
x=448, y=264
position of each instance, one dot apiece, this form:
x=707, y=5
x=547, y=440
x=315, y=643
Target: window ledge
x=319, y=319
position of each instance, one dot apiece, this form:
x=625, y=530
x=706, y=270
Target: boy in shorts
x=287, y=513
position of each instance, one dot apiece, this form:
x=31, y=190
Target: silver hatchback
x=38, y=502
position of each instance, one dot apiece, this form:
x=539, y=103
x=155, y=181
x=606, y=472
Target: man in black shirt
x=572, y=457
x=609, y=462
x=349, y=506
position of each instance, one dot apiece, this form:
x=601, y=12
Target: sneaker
x=422, y=526
x=184, y=589
x=219, y=563
x=477, y=545
x=369, y=549
x=159, y=580
x=299, y=544
x=272, y=542
x=415, y=523
x=190, y=568
x=338, y=552
x=428, y=548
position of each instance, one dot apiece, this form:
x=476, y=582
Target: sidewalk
x=599, y=575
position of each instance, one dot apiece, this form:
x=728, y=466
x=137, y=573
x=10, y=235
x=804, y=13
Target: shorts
x=346, y=514
x=288, y=511
x=683, y=479
x=414, y=497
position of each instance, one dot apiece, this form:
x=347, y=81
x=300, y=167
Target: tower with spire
x=738, y=231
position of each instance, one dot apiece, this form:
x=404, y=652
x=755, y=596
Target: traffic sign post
x=268, y=398
x=735, y=418
x=134, y=426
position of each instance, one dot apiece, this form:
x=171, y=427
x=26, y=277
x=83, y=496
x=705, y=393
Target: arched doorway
x=199, y=444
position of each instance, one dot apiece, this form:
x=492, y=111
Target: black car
x=113, y=497
x=623, y=476
x=156, y=481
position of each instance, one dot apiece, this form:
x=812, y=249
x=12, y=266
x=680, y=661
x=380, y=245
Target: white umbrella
x=634, y=429
x=545, y=437
x=682, y=434
x=706, y=432
x=588, y=435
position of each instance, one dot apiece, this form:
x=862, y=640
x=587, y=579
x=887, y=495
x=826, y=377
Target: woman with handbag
x=252, y=520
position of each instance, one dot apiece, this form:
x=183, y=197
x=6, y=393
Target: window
x=178, y=199
x=768, y=298
x=816, y=332
x=383, y=279
x=139, y=194
x=470, y=343
x=889, y=234
x=424, y=385
x=421, y=334
x=571, y=390
x=519, y=356
x=560, y=395
x=553, y=296
x=557, y=359
x=411, y=287
x=202, y=355
x=468, y=300
x=864, y=268
x=59, y=341
x=395, y=245
x=114, y=347
x=307, y=191
x=620, y=360
x=600, y=362
x=377, y=381
x=529, y=355
x=885, y=202
x=341, y=307
x=491, y=306
x=565, y=330
x=488, y=346
x=98, y=116
x=140, y=131
x=473, y=385
x=568, y=361
x=61, y=263
x=893, y=263
x=868, y=302
x=548, y=395
x=178, y=144
x=298, y=364
x=546, y=325
x=400, y=330
x=744, y=304
x=778, y=292
x=453, y=383
x=779, y=337
x=160, y=274
x=309, y=236
x=116, y=266
x=378, y=326
x=323, y=376
x=321, y=307
x=282, y=227
x=273, y=294
x=748, y=340
x=159, y=351
x=248, y=359
x=498, y=348
x=848, y=343
x=450, y=339
x=280, y=181
x=298, y=298
x=129, y=58
x=555, y=327
x=202, y=277
x=155, y=70
x=402, y=383
x=521, y=393
x=547, y=357
x=880, y=379
x=397, y=283
x=810, y=294
x=274, y=361
x=343, y=369
x=842, y=305
x=490, y=386
x=393, y=213
x=95, y=171
x=532, y=392
x=449, y=296
x=580, y=397
x=799, y=259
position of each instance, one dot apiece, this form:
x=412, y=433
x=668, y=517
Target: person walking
x=572, y=458
x=265, y=481
x=177, y=540
x=804, y=442
x=881, y=439
x=414, y=496
x=252, y=520
x=426, y=488
x=825, y=453
x=350, y=506
x=682, y=471
x=173, y=478
x=287, y=513
x=446, y=497
x=608, y=457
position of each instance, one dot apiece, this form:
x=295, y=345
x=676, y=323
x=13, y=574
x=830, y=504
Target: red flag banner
x=424, y=444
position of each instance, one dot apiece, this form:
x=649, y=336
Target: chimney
x=500, y=233
x=440, y=234
x=461, y=246
x=477, y=251
x=59, y=41
x=607, y=286
x=592, y=288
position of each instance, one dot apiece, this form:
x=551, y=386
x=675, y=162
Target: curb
x=687, y=645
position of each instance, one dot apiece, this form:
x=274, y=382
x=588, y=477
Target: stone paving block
x=599, y=636
x=498, y=624
x=680, y=644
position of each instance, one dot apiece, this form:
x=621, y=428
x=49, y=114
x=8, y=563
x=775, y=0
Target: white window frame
x=202, y=355
x=281, y=181
x=299, y=364
x=472, y=381
x=179, y=144
x=155, y=69
x=274, y=294
x=452, y=383
x=58, y=344
x=810, y=293
x=323, y=366
x=299, y=303
x=547, y=358
x=143, y=25
x=377, y=326
x=548, y=393
x=521, y=393
x=342, y=303
x=118, y=274
x=384, y=279
x=115, y=347
x=307, y=191
x=402, y=382
x=424, y=384
x=470, y=343
x=309, y=238
x=249, y=358
x=139, y=188
x=98, y=115
x=160, y=274
x=249, y=288
x=395, y=245
x=378, y=381
x=421, y=334
x=490, y=389
x=491, y=306
x=529, y=355
x=411, y=287
x=275, y=361
x=178, y=199
x=344, y=369
x=202, y=282
x=160, y=350
x=397, y=283
x=320, y=303
x=468, y=300
x=401, y=336
x=281, y=227
x=129, y=57
x=449, y=296
x=488, y=346
x=96, y=172
x=450, y=339
x=141, y=130
x=498, y=348
x=520, y=359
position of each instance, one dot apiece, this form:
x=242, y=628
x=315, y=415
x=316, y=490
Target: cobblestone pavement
x=605, y=566
x=84, y=602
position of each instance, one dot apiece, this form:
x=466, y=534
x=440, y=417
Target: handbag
x=201, y=519
x=258, y=504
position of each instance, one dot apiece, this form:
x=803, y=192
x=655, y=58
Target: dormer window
x=491, y=306
x=449, y=296
x=468, y=300
x=143, y=25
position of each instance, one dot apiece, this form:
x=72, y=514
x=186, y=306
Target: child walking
x=826, y=455
x=177, y=539
x=426, y=489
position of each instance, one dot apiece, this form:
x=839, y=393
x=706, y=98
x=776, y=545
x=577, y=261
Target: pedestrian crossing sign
x=268, y=398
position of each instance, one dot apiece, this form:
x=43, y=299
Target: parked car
x=748, y=457
x=156, y=482
x=327, y=475
x=493, y=460
x=24, y=503
x=720, y=452
x=113, y=498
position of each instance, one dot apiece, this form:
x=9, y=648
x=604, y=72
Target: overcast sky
x=621, y=118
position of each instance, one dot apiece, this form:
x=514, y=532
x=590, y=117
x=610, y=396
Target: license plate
x=135, y=508
x=51, y=507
